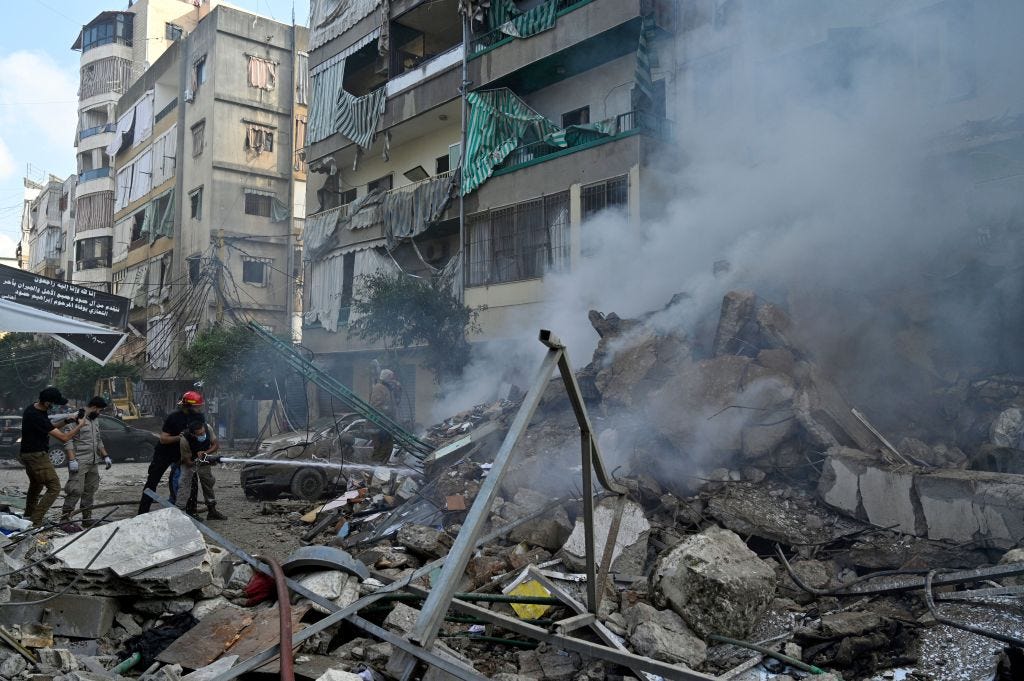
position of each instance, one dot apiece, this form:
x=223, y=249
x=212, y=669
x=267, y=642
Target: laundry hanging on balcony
x=409, y=213
x=320, y=231
x=498, y=122
x=510, y=20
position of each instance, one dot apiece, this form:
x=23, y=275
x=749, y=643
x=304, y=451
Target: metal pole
x=434, y=609
x=462, y=154
x=289, y=256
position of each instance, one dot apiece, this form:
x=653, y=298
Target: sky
x=38, y=86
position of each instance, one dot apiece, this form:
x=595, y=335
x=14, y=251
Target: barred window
x=613, y=193
x=518, y=242
x=258, y=204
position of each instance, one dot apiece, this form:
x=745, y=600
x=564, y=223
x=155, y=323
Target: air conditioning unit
x=189, y=96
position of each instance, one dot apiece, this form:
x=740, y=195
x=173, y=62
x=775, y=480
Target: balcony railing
x=93, y=174
x=492, y=38
x=96, y=130
x=171, y=105
x=624, y=123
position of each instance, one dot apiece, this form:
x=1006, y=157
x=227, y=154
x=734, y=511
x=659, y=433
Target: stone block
x=56, y=658
x=337, y=675
x=630, y=550
x=714, y=582
x=12, y=666
x=163, y=606
x=663, y=635
x=71, y=615
x=440, y=649
x=737, y=312
x=402, y=618
x=424, y=541
x=549, y=664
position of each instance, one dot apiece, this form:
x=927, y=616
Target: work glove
x=108, y=462
x=73, y=466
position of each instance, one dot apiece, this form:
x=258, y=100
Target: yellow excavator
x=119, y=393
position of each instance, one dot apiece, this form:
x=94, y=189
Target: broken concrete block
x=56, y=658
x=1007, y=428
x=163, y=606
x=481, y=568
x=442, y=650
x=1012, y=556
x=12, y=666
x=630, y=550
x=71, y=615
x=212, y=671
x=714, y=582
x=737, y=312
x=402, y=618
x=208, y=605
x=337, y=675
x=143, y=542
x=326, y=583
x=424, y=541
x=548, y=664
x=36, y=635
x=663, y=635
x=240, y=576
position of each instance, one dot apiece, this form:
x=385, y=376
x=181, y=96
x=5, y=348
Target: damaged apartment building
x=206, y=184
x=566, y=101
x=47, y=226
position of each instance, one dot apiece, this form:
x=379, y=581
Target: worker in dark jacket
x=168, y=449
x=36, y=431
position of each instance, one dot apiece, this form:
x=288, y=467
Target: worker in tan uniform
x=86, y=453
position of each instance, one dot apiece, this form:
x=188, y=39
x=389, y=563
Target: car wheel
x=308, y=484
x=58, y=457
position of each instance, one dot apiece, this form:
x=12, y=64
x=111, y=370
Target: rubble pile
x=765, y=529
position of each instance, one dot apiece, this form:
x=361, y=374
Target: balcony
x=94, y=174
x=627, y=124
x=171, y=105
x=92, y=263
x=97, y=130
x=497, y=37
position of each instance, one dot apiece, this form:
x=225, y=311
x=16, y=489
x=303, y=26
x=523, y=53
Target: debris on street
x=732, y=516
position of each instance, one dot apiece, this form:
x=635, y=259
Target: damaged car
x=308, y=464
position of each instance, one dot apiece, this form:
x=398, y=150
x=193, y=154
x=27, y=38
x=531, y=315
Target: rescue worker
x=197, y=444
x=199, y=439
x=86, y=452
x=36, y=430
x=168, y=449
x=385, y=397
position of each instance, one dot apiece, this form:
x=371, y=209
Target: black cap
x=52, y=395
x=97, y=402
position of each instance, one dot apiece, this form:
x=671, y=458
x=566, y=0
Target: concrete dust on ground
x=256, y=527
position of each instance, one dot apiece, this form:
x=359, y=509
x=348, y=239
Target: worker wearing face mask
x=196, y=469
x=36, y=430
x=86, y=453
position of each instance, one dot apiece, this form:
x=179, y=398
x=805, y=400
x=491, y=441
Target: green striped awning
x=325, y=84
x=498, y=123
x=645, y=56
x=504, y=15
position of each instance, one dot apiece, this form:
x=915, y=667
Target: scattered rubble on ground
x=768, y=530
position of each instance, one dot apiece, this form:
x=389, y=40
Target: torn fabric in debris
x=409, y=213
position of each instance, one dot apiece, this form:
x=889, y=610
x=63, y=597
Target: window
x=195, y=199
x=254, y=271
x=347, y=197
x=172, y=32
x=383, y=183
x=613, y=193
x=194, y=262
x=92, y=253
x=608, y=195
x=138, y=222
x=198, y=137
x=519, y=242
x=579, y=116
x=117, y=29
x=258, y=203
x=258, y=139
x=262, y=73
x=199, y=73
x=442, y=165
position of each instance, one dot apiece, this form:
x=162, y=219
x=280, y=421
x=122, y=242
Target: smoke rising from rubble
x=823, y=178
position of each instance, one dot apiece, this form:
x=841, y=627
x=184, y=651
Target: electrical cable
x=942, y=619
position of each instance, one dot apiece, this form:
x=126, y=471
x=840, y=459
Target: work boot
x=213, y=514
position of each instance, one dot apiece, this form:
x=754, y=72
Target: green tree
x=77, y=377
x=230, y=358
x=406, y=312
x=26, y=364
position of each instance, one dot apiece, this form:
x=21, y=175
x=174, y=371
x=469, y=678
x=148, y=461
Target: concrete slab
x=630, y=550
x=71, y=615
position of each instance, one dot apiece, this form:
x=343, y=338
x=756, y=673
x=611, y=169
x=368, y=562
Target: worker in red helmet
x=168, y=450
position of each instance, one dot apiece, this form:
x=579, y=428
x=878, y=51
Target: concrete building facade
x=116, y=47
x=48, y=224
x=384, y=194
x=206, y=183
